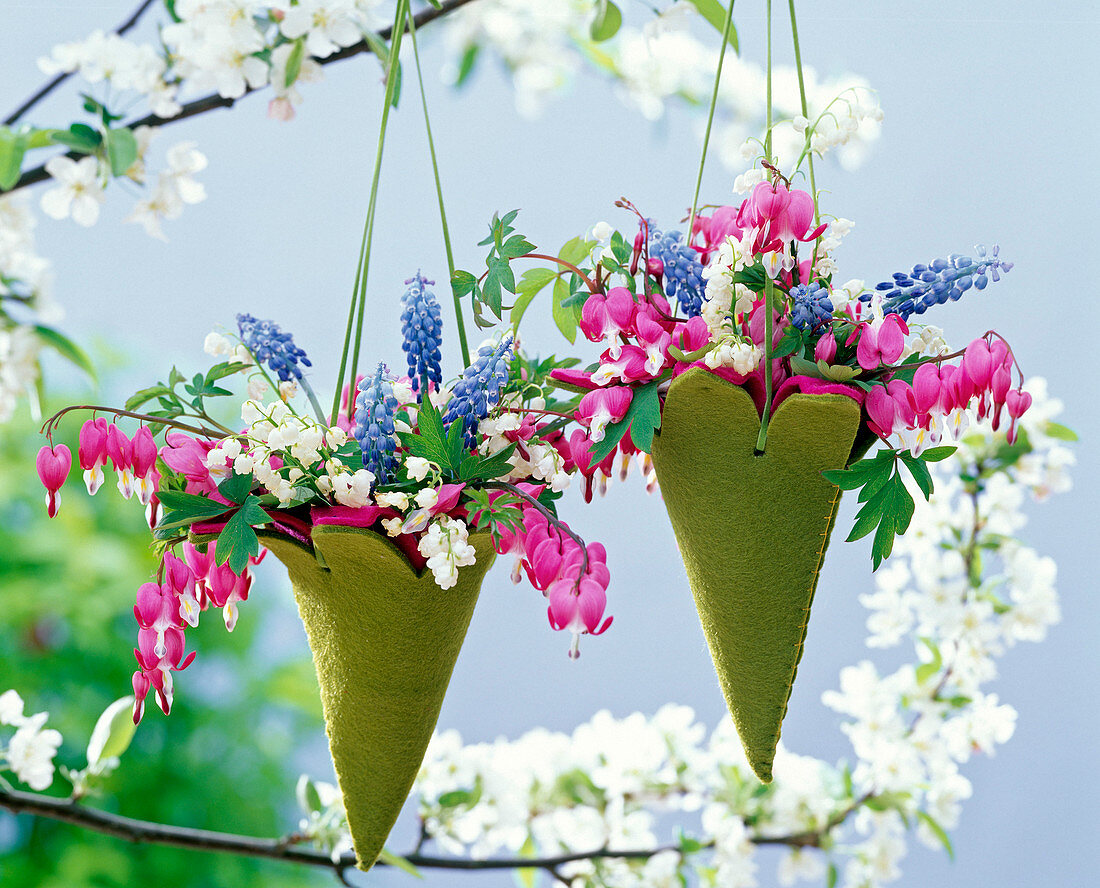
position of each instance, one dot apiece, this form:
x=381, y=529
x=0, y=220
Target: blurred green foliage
x=245, y=715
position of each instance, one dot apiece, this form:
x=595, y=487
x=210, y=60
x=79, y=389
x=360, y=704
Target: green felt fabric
x=752, y=531
x=384, y=643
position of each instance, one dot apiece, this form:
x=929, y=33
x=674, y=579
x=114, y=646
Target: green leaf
x=483, y=468
x=456, y=447
x=935, y=454
x=122, y=150
x=12, y=148
x=238, y=541
x=80, y=138
x=431, y=442
x=467, y=63
x=463, y=283
x=833, y=877
x=145, y=396
x=575, y=250
x=517, y=245
x=564, y=317
x=620, y=249
x=390, y=859
x=607, y=22
x=113, y=732
x=65, y=347
x=642, y=418
x=938, y=831
x=926, y=670
x=533, y=281
x=715, y=13
x=791, y=341
x=920, y=473
x=236, y=487
x=309, y=799
x=224, y=369
x=1056, y=430
x=294, y=62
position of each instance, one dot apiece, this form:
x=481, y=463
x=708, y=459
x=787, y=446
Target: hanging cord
x=439, y=194
x=359, y=290
x=805, y=109
x=710, y=119
x=769, y=284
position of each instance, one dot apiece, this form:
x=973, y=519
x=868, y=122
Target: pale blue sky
x=990, y=136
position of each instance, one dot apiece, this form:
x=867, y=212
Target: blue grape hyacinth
x=942, y=280
x=270, y=345
x=375, y=407
x=479, y=389
x=683, y=272
x=422, y=329
x=810, y=306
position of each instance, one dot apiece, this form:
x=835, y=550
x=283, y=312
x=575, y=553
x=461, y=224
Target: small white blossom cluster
x=30, y=751
x=292, y=456
x=663, y=61
x=79, y=185
x=532, y=459
x=25, y=299
x=119, y=64
x=446, y=546
x=960, y=588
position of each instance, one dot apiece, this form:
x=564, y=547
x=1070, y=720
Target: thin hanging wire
x=439, y=194
x=710, y=117
x=359, y=290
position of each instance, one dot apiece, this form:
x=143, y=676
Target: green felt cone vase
x=752, y=531
x=384, y=640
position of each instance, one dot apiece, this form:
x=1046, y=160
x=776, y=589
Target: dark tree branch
x=146, y=832
x=48, y=88
x=213, y=102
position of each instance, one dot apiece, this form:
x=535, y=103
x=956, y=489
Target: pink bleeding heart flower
x=881, y=341
x=121, y=453
x=655, y=340
x=447, y=498
x=630, y=366
x=926, y=389
x=53, y=464
x=795, y=222
x=979, y=365
x=825, y=350
x=882, y=411
x=603, y=406
x=92, y=452
x=1018, y=402
x=693, y=335
x=187, y=455
x=769, y=200
x=573, y=378
x=577, y=606
x=146, y=476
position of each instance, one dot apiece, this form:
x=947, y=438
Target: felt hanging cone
x=752, y=531
x=384, y=641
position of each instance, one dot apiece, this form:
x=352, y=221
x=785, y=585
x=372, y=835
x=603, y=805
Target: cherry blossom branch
x=53, y=84
x=285, y=848
x=213, y=102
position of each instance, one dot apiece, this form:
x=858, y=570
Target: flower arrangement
x=421, y=462
x=750, y=310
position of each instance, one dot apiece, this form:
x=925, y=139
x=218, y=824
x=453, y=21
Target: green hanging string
x=805, y=109
x=710, y=116
x=769, y=284
x=359, y=291
x=439, y=194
